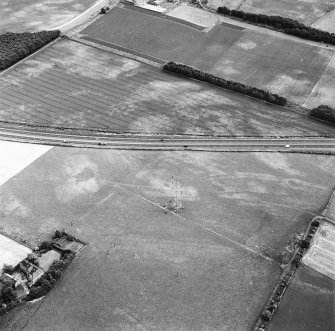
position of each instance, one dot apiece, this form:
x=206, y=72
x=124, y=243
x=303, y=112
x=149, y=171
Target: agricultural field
x=11, y=252
x=306, y=12
x=210, y=266
x=308, y=304
x=74, y=85
x=323, y=92
x=36, y=15
x=283, y=66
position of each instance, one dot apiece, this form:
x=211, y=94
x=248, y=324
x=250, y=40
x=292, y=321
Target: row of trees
x=283, y=24
x=323, y=112
x=277, y=294
x=191, y=72
x=16, y=46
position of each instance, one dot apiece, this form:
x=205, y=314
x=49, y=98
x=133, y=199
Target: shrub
x=296, y=262
x=266, y=316
x=16, y=46
x=103, y=10
x=283, y=24
x=33, y=258
x=304, y=244
x=316, y=223
x=191, y=72
x=8, y=294
x=7, y=268
x=35, y=292
x=57, y=234
x=323, y=112
x=45, y=245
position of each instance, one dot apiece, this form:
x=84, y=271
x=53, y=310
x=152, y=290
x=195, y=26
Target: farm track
x=166, y=142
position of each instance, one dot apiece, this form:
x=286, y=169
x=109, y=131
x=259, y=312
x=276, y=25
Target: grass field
x=308, y=304
x=70, y=84
x=265, y=61
x=211, y=267
x=34, y=15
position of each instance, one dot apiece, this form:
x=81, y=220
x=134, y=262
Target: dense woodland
x=16, y=46
x=323, y=112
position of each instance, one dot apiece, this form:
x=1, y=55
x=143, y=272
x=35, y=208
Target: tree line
x=282, y=24
x=254, y=92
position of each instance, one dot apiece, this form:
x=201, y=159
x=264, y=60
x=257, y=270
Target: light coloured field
x=14, y=157
x=283, y=66
x=321, y=255
x=323, y=93
x=34, y=15
x=11, y=252
x=146, y=267
x=326, y=22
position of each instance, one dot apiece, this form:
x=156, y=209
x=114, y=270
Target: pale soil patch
x=11, y=252
x=326, y=23
x=14, y=157
x=34, y=15
x=324, y=93
x=232, y=4
x=195, y=15
x=321, y=255
x=48, y=258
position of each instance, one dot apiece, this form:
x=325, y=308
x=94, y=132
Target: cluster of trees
x=49, y=279
x=323, y=112
x=16, y=46
x=283, y=24
x=191, y=72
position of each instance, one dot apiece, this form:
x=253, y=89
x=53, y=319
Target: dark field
x=74, y=85
x=211, y=267
x=308, y=304
x=283, y=66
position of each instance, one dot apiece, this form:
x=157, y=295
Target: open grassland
x=210, y=267
x=324, y=92
x=306, y=12
x=74, y=85
x=308, y=304
x=35, y=15
x=280, y=65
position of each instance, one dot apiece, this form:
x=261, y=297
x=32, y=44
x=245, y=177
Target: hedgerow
x=191, y=72
x=323, y=112
x=16, y=46
x=282, y=24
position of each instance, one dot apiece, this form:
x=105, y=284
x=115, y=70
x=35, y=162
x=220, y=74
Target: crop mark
x=198, y=225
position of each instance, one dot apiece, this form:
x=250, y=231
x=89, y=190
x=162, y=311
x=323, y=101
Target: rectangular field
x=212, y=266
x=11, y=252
x=75, y=85
x=287, y=67
x=308, y=304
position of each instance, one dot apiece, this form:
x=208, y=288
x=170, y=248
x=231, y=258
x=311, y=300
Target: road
x=169, y=142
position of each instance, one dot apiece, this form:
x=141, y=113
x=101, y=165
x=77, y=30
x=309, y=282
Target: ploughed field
x=36, y=15
x=212, y=266
x=280, y=65
x=308, y=304
x=74, y=85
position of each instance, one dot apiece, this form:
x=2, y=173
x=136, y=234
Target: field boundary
x=124, y=49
